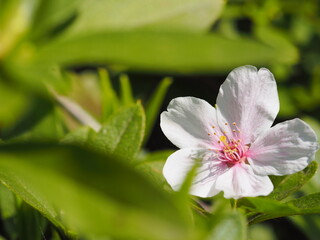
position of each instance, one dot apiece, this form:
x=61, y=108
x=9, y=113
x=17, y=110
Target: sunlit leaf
x=122, y=133
x=173, y=52
x=156, y=15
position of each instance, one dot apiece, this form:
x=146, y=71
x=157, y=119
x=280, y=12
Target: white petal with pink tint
x=188, y=122
x=240, y=181
x=249, y=98
x=286, y=148
x=180, y=163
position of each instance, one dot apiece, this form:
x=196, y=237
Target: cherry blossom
x=234, y=143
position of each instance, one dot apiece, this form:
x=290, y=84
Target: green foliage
x=269, y=209
x=187, y=53
x=158, y=15
x=154, y=104
x=109, y=100
x=285, y=185
x=87, y=186
x=74, y=168
x=121, y=134
x=229, y=226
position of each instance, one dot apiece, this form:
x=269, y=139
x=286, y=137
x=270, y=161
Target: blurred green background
x=65, y=65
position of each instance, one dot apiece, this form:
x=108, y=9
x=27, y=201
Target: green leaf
x=308, y=224
x=35, y=112
x=79, y=136
x=96, y=195
x=229, y=226
x=125, y=90
x=155, y=156
x=309, y=203
x=270, y=209
x=31, y=224
x=15, y=104
x=110, y=101
x=17, y=185
x=285, y=185
x=51, y=16
x=151, y=164
x=122, y=134
x=177, y=53
x=156, y=15
x=154, y=104
x=8, y=210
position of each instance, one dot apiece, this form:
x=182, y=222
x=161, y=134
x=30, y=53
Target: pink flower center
x=230, y=150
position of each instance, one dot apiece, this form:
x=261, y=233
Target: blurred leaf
x=309, y=224
x=78, y=137
x=154, y=104
x=229, y=226
x=261, y=232
x=178, y=53
x=184, y=190
x=156, y=15
x=287, y=106
x=21, y=72
x=51, y=15
x=17, y=185
x=31, y=224
x=122, y=133
x=8, y=210
x=278, y=40
x=299, y=92
x=15, y=18
x=151, y=164
x=160, y=155
x=90, y=190
x=109, y=100
x=7, y=203
x=125, y=90
x=49, y=128
x=15, y=104
x=153, y=170
x=285, y=185
x=35, y=112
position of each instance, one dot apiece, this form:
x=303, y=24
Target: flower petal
x=249, y=98
x=240, y=181
x=188, y=122
x=180, y=163
x=286, y=148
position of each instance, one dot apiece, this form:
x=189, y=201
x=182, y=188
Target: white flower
x=234, y=142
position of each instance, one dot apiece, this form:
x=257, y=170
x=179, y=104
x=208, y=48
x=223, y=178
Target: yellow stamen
x=224, y=140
